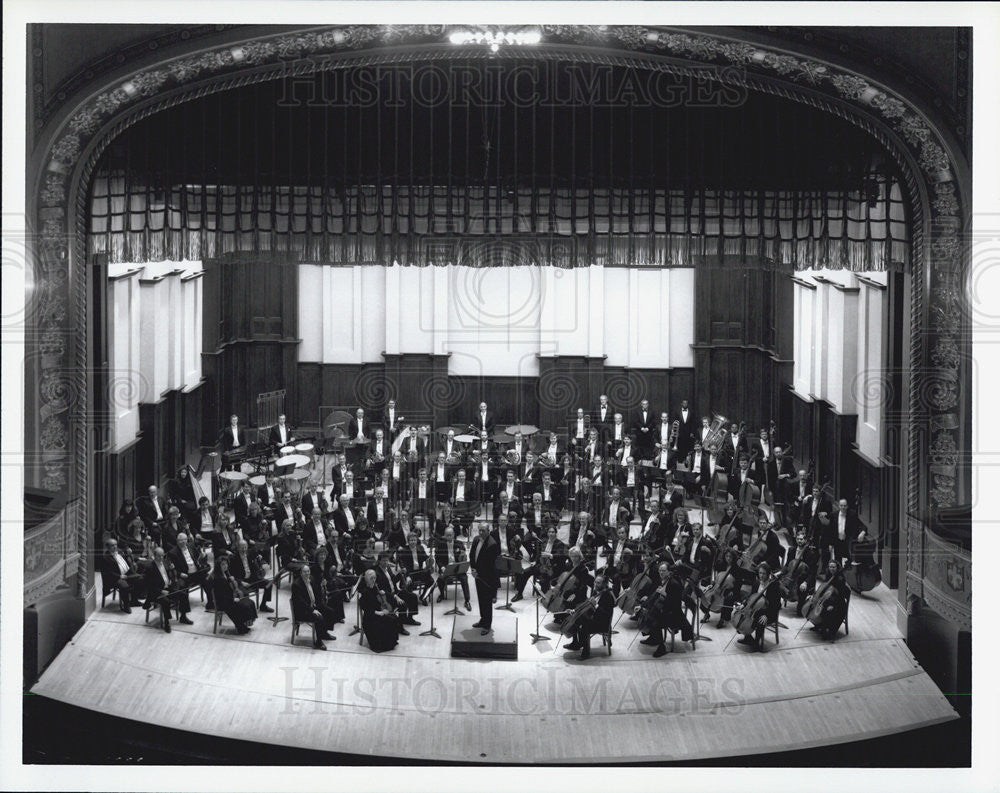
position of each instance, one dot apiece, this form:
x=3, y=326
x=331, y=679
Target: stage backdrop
x=497, y=321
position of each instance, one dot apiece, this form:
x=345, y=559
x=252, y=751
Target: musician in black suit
x=740, y=483
x=414, y=561
x=359, y=428
x=603, y=417
x=511, y=510
x=421, y=497
x=766, y=463
x=233, y=436
x=772, y=596
x=307, y=608
x=814, y=514
x=251, y=571
x=463, y=501
x=242, y=501
x=391, y=420
x=537, y=518
x=644, y=428
x=401, y=599
x=118, y=571
x=483, y=558
x=449, y=551
x=669, y=610
x=621, y=557
x=700, y=552
x=344, y=517
x=152, y=507
x=163, y=586
x=165, y=533
x=599, y=622
x=845, y=528
x=190, y=565
x=654, y=534
x=281, y=434
x=551, y=560
x=774, y=550
x=687, y=428
x=484, y=420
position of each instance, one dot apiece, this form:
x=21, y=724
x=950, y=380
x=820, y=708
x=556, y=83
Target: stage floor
x=546, y=707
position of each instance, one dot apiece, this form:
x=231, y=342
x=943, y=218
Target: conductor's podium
x=469, y=642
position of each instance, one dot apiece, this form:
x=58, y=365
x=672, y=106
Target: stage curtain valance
x=135, y=220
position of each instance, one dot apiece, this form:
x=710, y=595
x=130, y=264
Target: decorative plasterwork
x=936, y=388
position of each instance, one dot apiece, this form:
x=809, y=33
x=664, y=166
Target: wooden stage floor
x=416, y=701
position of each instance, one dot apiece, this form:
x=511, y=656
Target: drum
x=257, y=481
x=233, y=480
x=296, y=480
x=286, y=450
x=465, y=438
x=304, y=448
x=248, y=468
x=298, y=460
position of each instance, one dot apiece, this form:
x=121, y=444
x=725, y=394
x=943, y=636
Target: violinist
x=598, y=622
x=231, y=599
x=415, y=562
x=288, y=545
x=772, y=597
x=680, y=526
x=189, y=564
x=729, y=582
x=378, y=619
x=403, y=601
x=538, y=518
x=798, y=576
x=827, y=608
x=663, y=610
x=328, y=595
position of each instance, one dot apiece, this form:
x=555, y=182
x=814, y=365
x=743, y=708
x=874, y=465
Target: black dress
x=381, y=631
x=238, y=607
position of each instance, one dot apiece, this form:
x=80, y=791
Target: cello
x=792, y=573
x=825, y=597
x=747, y=614
x=554, y=599
x=630, y=597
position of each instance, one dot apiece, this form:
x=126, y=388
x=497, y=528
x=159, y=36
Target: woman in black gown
x=379, y=622
x=180, y=490
x=230, y=598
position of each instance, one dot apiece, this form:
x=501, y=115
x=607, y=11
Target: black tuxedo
x=129, y=585
x=686, y=431
x=480, y=425
x=441, y=560
x=366, y=428
x=226, y=438
x=147, y=511
x=175, y=596
x=483, y=558
x=274, y=436
x=603, y=425
x=645, y=431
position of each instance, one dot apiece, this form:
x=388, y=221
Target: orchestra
x=603, y=513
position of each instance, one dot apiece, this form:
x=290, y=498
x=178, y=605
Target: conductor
x=483, y=555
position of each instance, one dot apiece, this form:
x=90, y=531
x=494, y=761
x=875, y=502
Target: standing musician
x=422, y=497
x=391, y=420
x=281, y=434
x=551, y=493
x=181, y=492
x=698, y=475
x=834, y=609
x=663, y=609
x=403, y=601
x=766, y=463
x=644, y=428
x=612, y=513
x=487, y=470
x=484, y=421
x=379, y=622
x=378, y=512
x=483, y=557
x=663, y=440
x=772, y=594
x=359, y=428
x=844, y=529
x=579, y=429
x=450, y=551
x=631, y=481
x=599, y=622
x=603, y=417
x=740, y=484
x=786, y=481
x=686, y=429
x=395, y=479
x=617, y=435
x=232, y=439
x=152, y=508
x=704, y=430
x=379, y=453
x=814, y=514
x=736, y=445
x=415, y=563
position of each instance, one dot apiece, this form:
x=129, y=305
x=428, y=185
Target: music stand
x=454, y=571
x=277, y=598
x=537, y=635
x=431, y=631
x=508, y=566
x=704, y=503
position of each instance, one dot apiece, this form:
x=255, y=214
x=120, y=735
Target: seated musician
x=402, y=527
x=834, y=609
x=165, y=533
x=525, y=549
x=654, y=533
x=597, y=623
x=443, y=521
x=133, y=536
x=189, y=563
x=612, y=513
x=281, y=434
x=620, y=560
x=537, y=519
x=581, y=523
x=552, y=450
x=118, y=572
x=697, y=477
x=284, y=509
x=440, y=475
x=163, y=586
x=379, y=622
x=252, y=572
x=396, y=476
x=511, y=510
x=485, y=471
x=799, y=570
x=365, y=555
x=625, y=450
x=532, y=475
x=391, y=419
x=449, y=551
x=339, y=552
x=338, y=473
x=649, y=563
x=327, y=586
x=774, y=551
x=306, y=606
x=588, y=499
x=224, y=537
x=630, y=481
x=344, y=517
x=415, y=562
x=772, y=594
x=576, y=592
x=463, y=501
x=504, y=533
x=666, y=612
x=731, y=530
x=231, y=599
x=662, y=440
x=680, y=525
x=378, y=512
x=258, y=529
x=700, y=552
x=592, y=448
x=735, y=577
x=511, y=486
x=422, y=496
x=552, y=560
x=152, y=507
x=450, y=447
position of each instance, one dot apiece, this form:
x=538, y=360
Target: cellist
x=831, y=612
x=729, y=582
x=772, y=596
x=663, y=609
x=598, y=622
x=799, y=571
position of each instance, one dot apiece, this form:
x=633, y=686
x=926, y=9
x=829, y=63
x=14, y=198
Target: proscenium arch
x=935, y=175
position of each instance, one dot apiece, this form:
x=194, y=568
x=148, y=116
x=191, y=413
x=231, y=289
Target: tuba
x=716, y=435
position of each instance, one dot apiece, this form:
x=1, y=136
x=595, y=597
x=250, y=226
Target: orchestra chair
x=113, y=593
x=770, y=626
x=217, y=621
x=606, y=640
x=295, y=629
x=150, y=605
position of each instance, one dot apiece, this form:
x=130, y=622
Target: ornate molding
x=61, y=223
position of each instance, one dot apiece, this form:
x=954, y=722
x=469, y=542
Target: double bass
x=864, y=575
